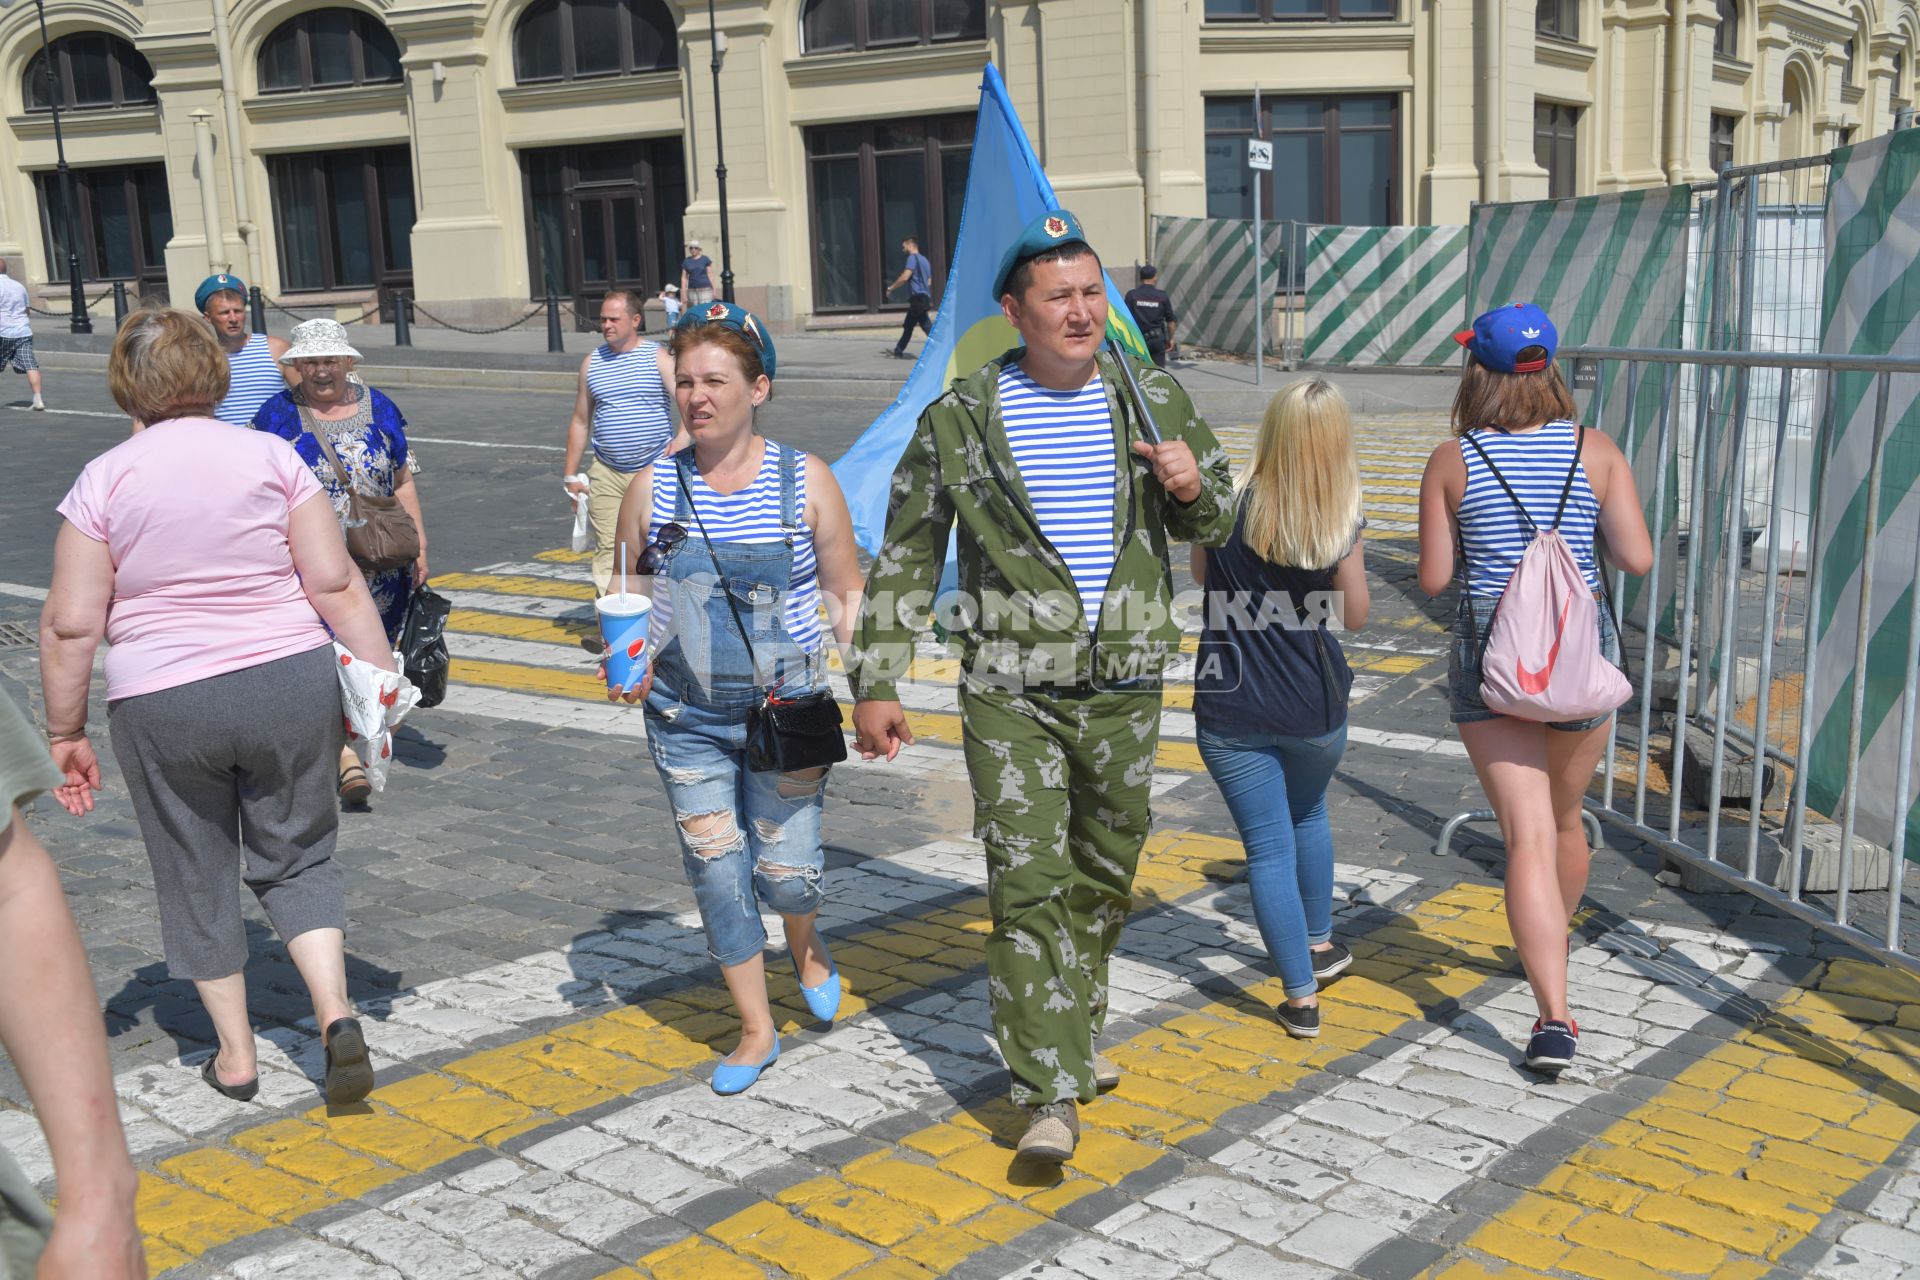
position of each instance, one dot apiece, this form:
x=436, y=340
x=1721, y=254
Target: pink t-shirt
x=194, y=513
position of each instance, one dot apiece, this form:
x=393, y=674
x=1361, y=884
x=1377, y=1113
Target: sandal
x=349, y=1074
x=238, y=1092
x=354, y=785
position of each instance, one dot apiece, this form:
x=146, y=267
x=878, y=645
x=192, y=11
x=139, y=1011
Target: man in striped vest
x=625, y=410
x=253, y=359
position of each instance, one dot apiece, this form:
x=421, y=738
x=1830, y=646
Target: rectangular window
x=1301, y=10
x=1720, y=141
x=605, y=217
x=873, y=185
x=1556, y=130
x=1335, y=159
x=122, y=219
x=1557, y=18
x=344, y=219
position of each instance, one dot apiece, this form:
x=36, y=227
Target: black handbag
x=423, y=645
x=783, y=734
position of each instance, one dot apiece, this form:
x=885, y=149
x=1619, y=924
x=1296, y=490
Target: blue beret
x=1050, y=230
x=216, y=284
x=737, y=318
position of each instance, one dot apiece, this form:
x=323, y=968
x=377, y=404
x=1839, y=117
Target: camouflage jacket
x=1018, y=616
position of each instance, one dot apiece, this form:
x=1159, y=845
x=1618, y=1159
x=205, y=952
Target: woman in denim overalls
x=780, y=538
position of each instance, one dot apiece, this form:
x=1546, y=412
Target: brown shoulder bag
x=380, y=533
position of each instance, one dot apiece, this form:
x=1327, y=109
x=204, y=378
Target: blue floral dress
x=372, y=445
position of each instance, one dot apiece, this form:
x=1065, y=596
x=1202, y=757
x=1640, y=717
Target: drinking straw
x=623, y=568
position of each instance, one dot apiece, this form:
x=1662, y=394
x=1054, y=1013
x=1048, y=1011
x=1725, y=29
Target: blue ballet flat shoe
x=731, y=1079
x=823, y=1001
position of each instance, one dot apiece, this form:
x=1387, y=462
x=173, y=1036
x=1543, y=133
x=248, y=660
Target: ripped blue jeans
x=747, y=839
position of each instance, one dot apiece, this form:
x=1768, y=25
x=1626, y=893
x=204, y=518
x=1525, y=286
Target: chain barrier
x=478, y=333
x=58, y=315
x=373, y=310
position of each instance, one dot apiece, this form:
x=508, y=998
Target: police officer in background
x=1153, y=312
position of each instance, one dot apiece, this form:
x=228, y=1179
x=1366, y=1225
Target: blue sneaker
x=1553, y=1045
x=823, y=1001
x=729, y=1079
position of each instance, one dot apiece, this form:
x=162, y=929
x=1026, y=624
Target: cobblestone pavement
x=544, y=1019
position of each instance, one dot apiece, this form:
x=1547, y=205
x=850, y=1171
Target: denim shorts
x=1463, y=669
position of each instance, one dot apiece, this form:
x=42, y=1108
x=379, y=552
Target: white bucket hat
x=318, y=339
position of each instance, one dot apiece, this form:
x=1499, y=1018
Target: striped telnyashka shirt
x=1062, y=442
x=1535, y=464
x=751, y=515
x=255, y=378
x=631, y=421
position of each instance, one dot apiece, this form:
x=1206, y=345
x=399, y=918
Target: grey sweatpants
x=242, y=764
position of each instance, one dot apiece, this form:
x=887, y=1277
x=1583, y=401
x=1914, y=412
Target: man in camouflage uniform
x=1062, y=640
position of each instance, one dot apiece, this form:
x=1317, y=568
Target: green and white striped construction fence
x=1385, y=295
x=1206, y=266
x=1871, y=302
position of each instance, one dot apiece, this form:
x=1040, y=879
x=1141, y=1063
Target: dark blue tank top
x=1267, y=661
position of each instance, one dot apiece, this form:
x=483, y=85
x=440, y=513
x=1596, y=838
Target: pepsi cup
x=623, y=626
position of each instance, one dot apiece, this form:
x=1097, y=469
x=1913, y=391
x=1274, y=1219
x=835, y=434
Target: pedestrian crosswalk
x=1393, y=453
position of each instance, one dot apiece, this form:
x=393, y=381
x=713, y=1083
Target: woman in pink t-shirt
x=213, y=564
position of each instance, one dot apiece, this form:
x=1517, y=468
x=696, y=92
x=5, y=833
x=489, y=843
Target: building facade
x=479, y=153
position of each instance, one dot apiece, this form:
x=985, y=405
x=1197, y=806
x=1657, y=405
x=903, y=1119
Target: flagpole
x=1147, y=429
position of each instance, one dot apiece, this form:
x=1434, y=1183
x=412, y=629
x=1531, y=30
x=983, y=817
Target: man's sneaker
x=1334, y=959
x=1553, y=1045
x=1106, y=1073
x=1301, y=1023
x=1052, y=1132
x=39, y=405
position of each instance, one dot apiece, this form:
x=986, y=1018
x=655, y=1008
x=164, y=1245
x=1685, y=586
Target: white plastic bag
x=373, y=703
x=582, y=527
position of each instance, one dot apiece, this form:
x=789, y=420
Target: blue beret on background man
x=1052, y=229
x=216, y=284
x=737, y=318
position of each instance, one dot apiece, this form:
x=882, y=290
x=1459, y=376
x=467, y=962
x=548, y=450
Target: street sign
x=1586, y=375
x=1259, y=154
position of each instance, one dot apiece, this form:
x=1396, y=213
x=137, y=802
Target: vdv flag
x=1006, y=189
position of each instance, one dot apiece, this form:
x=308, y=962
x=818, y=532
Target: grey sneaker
x=1052, y=1133
x=1106, y=1073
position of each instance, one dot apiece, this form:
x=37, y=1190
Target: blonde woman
x=1270, y=691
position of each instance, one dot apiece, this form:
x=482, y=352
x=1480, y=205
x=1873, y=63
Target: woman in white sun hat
x=365, y=447
x=696, y=276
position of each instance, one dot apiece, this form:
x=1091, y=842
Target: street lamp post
x=720, y=158
x=81, y=323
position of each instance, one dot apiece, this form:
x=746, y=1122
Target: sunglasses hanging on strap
x=783, y=734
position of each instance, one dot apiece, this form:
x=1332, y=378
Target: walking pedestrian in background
x=696, y=276
x=51, y=1029
x=917, y=275
x=739, y=530
x=623, y=408
x=210, y=559
x=1270, y=689
x=1060, y=703
x=354, y=441
x=1153, y=312
x=253, y=359
x=1519, y=464
x=16, y=333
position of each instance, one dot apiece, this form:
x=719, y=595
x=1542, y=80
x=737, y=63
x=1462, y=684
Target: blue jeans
x=1276, y=789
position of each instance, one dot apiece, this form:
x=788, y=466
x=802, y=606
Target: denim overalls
x=766, y=841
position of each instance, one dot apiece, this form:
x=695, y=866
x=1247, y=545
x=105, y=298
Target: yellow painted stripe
x=475, y=622
x=562, y=555
x=1735, y=1163
x=515, y=585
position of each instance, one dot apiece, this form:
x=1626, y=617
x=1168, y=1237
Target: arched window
x=93, y=71
x=1796, y=131
x=328, y=49
x=1726, y=36
x=844, y=26
x=575, y=39
x=1849, y=53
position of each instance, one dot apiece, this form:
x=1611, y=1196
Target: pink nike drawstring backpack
x=1542, y=660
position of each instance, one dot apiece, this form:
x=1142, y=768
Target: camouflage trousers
x=1060, y=798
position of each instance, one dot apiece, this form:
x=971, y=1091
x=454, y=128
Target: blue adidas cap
x=1516, y=338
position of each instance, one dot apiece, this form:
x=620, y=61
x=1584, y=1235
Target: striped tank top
x=1535, y=464
x=254, y=379
x=631, y=422
x=1062, y=442
x=751, y=515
